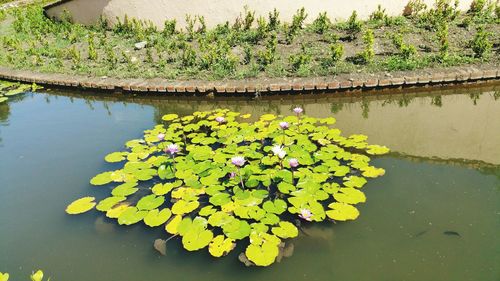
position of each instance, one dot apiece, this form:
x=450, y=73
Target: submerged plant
x=237, y=181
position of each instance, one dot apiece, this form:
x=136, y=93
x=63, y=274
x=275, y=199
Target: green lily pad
x=102, y=179
x=115, y=157
x=342, y=212
x=183, y=207
x=156, y=217
x=169, y=117
x=150, y=202
x=125, y=189
x=221, y=246
x=81, y=205
x=131, y=215
x=350, y=195
x=108, y=203
x=4, y=276
x=285, y=230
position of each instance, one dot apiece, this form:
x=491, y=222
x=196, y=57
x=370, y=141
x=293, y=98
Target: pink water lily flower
x=298, y=110
x=220, y=119
x=172, y=149
x=238, y=161
x=305, y=214
x=161, y=137
x=293, y=162
x=284, y=125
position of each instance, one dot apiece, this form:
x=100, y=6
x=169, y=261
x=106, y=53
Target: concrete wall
x=220, y=11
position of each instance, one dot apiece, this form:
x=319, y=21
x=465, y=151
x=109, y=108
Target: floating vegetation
x=35, y=276
x=214, y=179
x=10, y=89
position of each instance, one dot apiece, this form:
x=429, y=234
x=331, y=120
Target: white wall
x=219, y=11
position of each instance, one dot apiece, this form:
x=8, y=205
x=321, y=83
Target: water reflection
x=456, y=123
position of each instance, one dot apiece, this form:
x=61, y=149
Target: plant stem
x=241, y=179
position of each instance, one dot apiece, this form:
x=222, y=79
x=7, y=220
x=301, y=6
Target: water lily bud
x=238, y=161
x=284, y=125
x=161, y=137
x=232, y=175
x=293, y=162
x=298, y=110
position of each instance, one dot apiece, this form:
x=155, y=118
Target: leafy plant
x=481, y=44
x=336, y=54
x=414, y=8
x=301, y=60
x=379, y=14
x=321, y=24
x=215, y=180
x=442, y=37
x=368, y=53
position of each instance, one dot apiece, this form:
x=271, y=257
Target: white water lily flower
x=278, y=150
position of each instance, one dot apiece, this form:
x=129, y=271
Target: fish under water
x=452, y=233
x=421, y=233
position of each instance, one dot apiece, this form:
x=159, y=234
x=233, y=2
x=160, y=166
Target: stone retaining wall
x=253, y=86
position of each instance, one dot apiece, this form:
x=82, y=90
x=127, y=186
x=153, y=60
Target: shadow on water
x=433, y=216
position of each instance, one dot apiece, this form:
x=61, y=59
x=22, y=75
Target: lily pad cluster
x=10, y=89
x=215, y=179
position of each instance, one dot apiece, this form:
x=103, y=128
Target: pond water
x=443, y=176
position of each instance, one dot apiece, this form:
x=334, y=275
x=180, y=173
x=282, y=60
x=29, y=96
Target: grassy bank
x=424, y=37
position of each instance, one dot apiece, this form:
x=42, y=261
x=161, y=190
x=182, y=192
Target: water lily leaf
x=101, y=179
x=173, y=224
x=221, y=246
x=125, y=189
x=110, y=202
x=207, y=211
x=342, y=212
x=328, y=121
x=156, y=217
x=377, y=149
x=183, y=207
x=267, y=117
x=285, y=187
x=116, y=211
x=196, y=240
x=246, y=116
x=162, y=189
x=3, y=99
x=350, y=196
x=169, y=117
x=115, y=157
x=236, y=229
x=355, y=181
x=131, y=215
x=276, y=207
x=262, y=255
x=4, y=276
x=341, y=171
x=285, y=230
x=220, y=198
x=37, y=276
x=161, y=246
x=372, y=172
x=81, y=205
x=150, y=202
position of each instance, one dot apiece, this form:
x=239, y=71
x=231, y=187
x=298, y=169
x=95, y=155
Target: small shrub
x=368, y=53
x=190, y=22
x=188, y=57
x=336, y=52
x=268, y=55
x=481, y=44
x=203, y=26
x=92, y=48
x=249, y=19
x=477, y=6
x=414, y=8
x=442, y=37
x=169, y=27
x=247, y=54
x=74, y=55
x=111, y=57
x=299, y=18
x=274, y=21
x=406, y=51
x=321, y=24
x=300, y=61
x=379, y=14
